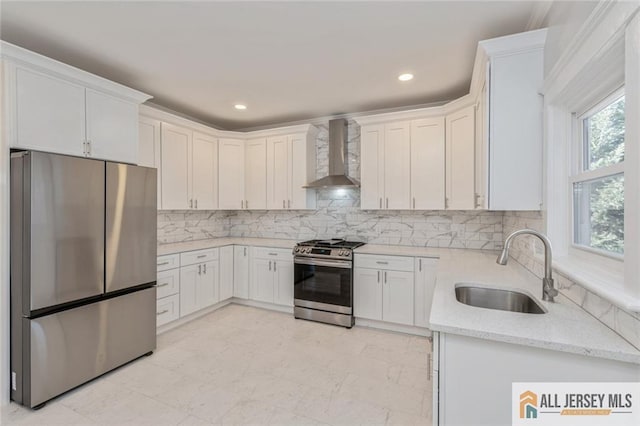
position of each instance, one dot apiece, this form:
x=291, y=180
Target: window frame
x=578, y=173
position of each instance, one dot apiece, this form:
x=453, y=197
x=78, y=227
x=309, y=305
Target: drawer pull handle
x=379, y=262
x=273, y=254
x=163, y=285
x=162, y=312
x=201, y=256
x=163, y=263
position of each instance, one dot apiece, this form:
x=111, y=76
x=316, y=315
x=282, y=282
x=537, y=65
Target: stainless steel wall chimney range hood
x=337, y=157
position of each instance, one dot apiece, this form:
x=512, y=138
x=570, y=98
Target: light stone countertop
x=221, y=242
x=565, y=327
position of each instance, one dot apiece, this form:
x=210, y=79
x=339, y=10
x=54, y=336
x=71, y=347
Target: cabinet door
x=515, y=133
x=50, y=114
x=397, y=166
x=427, y=164
x=231, y=174
x=149, y=148
x=302, y=160
x=226, y=273
x=425, y=281
x=175, y=166
x=283, y=271
x=241, y=272
x=371, y=167
x=261, y=280
x=278, y=173
x=204, y=172
x=189, y=278
x=112, y=127
x=207, y=289
x=255, y=179
x=460, y=143
x=367, y=293
x=397, y=297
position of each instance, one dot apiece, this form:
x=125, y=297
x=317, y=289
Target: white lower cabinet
x=477, y=374
x=241, y=272
x=425, y=282
x=226, y=273
x=367, y=294
x=167, y=309
x=381, y=293
x=199, y=280
x=397, y=297
x=271, y=276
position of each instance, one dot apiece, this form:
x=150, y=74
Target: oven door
x=323, y=284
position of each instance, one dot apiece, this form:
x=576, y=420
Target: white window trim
x=580, y=174
x=595, y=61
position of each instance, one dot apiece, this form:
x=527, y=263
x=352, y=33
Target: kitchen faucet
x=548, y=292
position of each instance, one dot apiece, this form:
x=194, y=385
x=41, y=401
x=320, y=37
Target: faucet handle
x=548, y=291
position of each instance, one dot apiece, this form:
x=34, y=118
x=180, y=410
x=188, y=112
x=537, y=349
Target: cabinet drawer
x=391, y=263
x=272, y=253
x=168, y=283
x=167, y=309
x=168, y=261
x=198, y=256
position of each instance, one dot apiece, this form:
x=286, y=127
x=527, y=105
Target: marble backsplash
x=338, y=214
x=524, y=251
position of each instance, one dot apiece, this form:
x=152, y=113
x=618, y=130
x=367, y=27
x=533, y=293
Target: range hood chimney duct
x=337, y=157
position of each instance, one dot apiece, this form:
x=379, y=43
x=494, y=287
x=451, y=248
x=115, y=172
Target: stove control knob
x=307, y=250
x=296, y=249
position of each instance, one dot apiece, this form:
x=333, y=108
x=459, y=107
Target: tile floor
x=242, y=365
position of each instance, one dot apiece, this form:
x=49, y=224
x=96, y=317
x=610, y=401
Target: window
x=598, y=179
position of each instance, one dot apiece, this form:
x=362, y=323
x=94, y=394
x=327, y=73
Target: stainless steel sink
x=495, y=298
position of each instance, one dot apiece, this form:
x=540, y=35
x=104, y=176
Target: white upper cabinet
x=512, y=128
x=402, y=164
x=49, y=113
x=112, y=127
x=204, y=172
x=188, y=169
x=397, y=165
x=290, y=166
x=278, y=173
x=460, y=143
x=231, y=173
x=386, y=166
x=54, y=107
x=255, y=174
x=176, y=162
x=427, y=164
x=371, y=166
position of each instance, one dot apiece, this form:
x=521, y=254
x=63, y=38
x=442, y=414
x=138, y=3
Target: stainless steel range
x=323, y=283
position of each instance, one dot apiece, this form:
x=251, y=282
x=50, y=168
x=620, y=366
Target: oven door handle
x=317, y=262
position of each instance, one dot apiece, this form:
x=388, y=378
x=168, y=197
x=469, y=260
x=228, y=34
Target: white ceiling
x=287, y=61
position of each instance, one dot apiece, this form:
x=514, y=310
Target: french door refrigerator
x=83, y=270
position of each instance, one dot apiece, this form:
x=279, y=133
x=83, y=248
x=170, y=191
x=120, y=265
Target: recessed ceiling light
x=240, y=106
x=405, y=77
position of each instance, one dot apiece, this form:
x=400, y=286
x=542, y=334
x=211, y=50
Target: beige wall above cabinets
x=57, y=108
x=482, y=151
x=206, y=169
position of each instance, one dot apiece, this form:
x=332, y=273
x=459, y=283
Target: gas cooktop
x=334, y=243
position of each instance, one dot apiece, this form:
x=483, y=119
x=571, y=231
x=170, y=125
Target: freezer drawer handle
x=162, y=312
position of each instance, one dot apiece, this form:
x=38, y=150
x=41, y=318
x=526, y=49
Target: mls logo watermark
x=575, y=404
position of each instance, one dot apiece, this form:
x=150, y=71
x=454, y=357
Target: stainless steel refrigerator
x=83, y=270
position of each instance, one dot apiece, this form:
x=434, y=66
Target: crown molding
x=601, y=32
x=22, y=57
